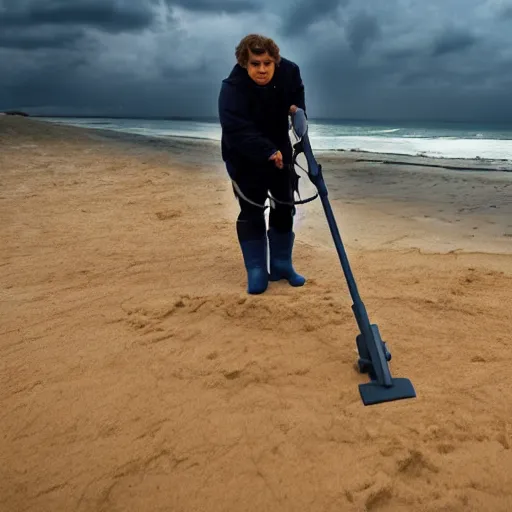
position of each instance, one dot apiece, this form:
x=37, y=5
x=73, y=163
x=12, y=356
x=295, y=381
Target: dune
x=137, y=374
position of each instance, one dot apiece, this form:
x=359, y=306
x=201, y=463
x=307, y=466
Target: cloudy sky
x=393, y=59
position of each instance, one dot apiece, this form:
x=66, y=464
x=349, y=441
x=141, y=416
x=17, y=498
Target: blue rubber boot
x=281, y=266
x=255, y=260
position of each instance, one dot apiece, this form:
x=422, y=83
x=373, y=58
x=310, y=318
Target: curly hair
x=257, y=44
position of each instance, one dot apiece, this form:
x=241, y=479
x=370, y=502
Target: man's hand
x=277, y=157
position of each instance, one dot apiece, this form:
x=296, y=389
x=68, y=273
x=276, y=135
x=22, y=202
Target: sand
x=138, y=375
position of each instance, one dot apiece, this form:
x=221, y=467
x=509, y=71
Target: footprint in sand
x=232, y=375
x=168, y=214
x=378, y=497
x=374, y=495
x=415, y=464
x=445, y=448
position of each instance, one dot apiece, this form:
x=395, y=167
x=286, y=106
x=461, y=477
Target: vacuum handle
x=300, y=126
x=313, y=167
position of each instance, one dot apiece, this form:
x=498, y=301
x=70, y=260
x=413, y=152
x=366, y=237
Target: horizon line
x=318, y=118
x=216, y=118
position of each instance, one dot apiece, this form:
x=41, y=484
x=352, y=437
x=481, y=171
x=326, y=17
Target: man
x=262, y=90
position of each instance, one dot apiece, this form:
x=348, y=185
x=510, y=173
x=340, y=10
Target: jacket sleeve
x=298, y=90
x=239, y=132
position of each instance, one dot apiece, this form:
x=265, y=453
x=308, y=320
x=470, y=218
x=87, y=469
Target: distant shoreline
x=14, y=113
x=357, y=154
x=473, y=164
x=327, y=120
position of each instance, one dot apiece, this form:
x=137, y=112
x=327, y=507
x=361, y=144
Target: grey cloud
x=110, y=15
x=30, y=40
x=362, y=30
x=504, y=12
x=304, y=13
x=453, y=41
x=402, y=53
x=50, y=80
x=228, y=6
x=415, y=77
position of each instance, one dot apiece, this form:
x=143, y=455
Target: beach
x=137, y=374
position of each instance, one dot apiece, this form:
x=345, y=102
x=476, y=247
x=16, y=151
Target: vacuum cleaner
x=373, y=353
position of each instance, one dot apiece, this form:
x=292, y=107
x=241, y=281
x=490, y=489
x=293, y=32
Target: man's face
x=261, y=68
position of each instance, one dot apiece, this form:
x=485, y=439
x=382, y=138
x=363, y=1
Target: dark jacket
x=254, y=118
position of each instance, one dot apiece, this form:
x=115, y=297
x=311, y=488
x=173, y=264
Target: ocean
x=441, y=140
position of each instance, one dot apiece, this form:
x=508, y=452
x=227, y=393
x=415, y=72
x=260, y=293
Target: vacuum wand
x=373, y=353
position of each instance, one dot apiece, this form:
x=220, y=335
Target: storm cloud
x=401, y=59
x=299, y=16
x=228, y=6
x=109, y=15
